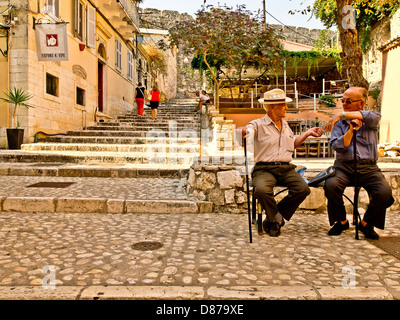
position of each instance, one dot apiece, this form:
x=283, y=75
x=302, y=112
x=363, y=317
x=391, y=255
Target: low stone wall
x=225, y=186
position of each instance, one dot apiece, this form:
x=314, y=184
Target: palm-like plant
x=18, y=97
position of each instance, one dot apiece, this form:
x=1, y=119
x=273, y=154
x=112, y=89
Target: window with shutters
x=91, y=27
x=118, y=51
x=53, y=8
x=79, y=19
x=130, y=65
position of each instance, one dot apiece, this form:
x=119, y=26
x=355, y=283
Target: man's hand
x=331, y=122
x=315, y=132
x=356, y=124
x=245, y=132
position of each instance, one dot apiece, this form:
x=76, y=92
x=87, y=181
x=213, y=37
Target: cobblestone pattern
x=113, y=188
x=205, y=250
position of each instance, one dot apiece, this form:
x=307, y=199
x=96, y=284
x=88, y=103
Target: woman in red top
x=154, y=102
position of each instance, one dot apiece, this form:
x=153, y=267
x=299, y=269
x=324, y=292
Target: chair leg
x=356, y=214
x=259, y=219
x=253, y=207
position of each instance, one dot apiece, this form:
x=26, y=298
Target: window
x=51, y=85
x=130, y=65
x=80, y=96
x=91, y=27
x=79, y=19
x=118, y=62
x=53, y=7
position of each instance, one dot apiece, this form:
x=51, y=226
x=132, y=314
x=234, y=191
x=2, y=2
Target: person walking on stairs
x=154, y=102
x=140, y=94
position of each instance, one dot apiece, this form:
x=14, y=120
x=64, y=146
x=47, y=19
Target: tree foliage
x=368, y=13
x=232, y=39
x=157, y=60
x=17, y=97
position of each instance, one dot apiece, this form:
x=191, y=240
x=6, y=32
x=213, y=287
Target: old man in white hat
x=274, y=144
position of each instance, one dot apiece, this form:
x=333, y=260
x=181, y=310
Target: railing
x=336, y=87
x=131, y=10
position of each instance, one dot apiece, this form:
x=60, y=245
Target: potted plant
x=328, y=99
x=18, y=97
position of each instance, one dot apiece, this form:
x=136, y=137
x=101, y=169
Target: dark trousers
x=266, y=177
x=371, y=179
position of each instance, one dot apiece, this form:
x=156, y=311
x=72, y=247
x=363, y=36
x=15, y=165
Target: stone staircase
x=173, y=139
x=143, y=151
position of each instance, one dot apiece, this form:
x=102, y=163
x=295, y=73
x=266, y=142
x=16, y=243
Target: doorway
x=100, y=86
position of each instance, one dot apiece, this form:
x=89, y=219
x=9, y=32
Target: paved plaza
x=195, y=256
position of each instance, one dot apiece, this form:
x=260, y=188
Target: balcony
x=122, y=14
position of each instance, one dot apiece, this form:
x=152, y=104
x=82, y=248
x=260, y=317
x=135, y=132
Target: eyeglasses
x=348, y=101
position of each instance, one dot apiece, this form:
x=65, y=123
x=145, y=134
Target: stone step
x=98, y=195
x=113, y=138
x=164, y=113
x=102, y=205
x=153, y=158
x=166, y=120
x=136, y=133
x=58, y=169
x=145, y=126
x=125, y=148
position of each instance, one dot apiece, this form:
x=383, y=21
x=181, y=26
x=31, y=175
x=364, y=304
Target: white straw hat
x=274, y=96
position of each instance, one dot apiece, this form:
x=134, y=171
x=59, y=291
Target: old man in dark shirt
x=368, y=176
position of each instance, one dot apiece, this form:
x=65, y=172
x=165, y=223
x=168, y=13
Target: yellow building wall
x=4, y=108
x=59, y=114
x=390, y=123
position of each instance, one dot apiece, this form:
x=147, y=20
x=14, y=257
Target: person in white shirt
x=203, y=99
x=274, y=145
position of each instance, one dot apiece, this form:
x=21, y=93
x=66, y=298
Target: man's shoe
x=338, y=228
x=274, y=229
x=368, y=231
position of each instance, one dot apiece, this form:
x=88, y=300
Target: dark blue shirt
x=367, y=138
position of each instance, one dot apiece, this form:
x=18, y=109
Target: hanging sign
x=51, y=42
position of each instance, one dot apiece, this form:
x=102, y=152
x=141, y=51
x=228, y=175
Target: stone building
x=165, y=76
x=96, y=81
x=390, y=71
x=381, y=69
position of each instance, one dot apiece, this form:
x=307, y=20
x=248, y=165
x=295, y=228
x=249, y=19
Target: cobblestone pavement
x=84, y=187
x=203, y=256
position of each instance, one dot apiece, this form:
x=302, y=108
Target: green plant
x=18, y=97
x=374, y=93
x=328, y=99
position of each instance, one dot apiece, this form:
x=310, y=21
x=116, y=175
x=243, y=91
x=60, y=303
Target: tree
x=343, y=14
x=17, y=97
x=158, y=64
x=233, y=37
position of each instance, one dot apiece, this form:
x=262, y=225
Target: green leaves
x=18, y=97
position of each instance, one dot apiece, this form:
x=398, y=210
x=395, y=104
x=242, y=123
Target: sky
x=277, y=8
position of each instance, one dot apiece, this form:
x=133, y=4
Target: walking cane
x=247, y=188
x=355, y=204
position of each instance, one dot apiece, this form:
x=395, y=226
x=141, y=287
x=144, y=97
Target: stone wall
x=225, y=186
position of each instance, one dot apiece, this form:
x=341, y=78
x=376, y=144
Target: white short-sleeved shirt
x=270, y=144
x=204, y=97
